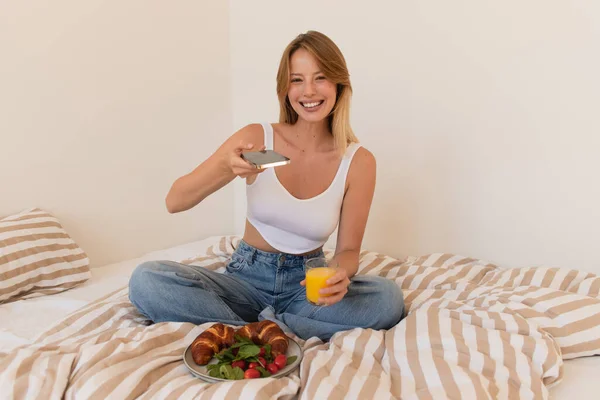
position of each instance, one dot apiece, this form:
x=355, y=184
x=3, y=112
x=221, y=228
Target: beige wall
x=102, y=105
x=483, y=117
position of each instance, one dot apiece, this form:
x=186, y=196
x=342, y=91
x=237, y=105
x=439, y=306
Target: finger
x=247, y=173
x=339, y=276
x=239, y=166
x=333, y=290
x=242, y=165
x=243, y=147
x=337, y=286
x=241, y=174
x=330, y=300
x=303, y=282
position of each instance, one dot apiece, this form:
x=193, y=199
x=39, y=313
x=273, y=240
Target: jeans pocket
x=236, y=264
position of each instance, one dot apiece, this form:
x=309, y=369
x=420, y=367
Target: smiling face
x=310, y=93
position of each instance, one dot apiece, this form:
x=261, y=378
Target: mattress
x=22, y=322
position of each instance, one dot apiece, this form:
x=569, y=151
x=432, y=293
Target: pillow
x=38, y=257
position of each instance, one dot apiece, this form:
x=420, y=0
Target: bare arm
x=353, y=221
x=216, y=171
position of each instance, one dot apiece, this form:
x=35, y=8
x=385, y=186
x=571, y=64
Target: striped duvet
x=473, y=331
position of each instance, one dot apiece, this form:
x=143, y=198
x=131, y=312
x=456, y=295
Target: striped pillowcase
x=38, y=257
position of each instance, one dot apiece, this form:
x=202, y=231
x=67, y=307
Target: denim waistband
x=251, y=253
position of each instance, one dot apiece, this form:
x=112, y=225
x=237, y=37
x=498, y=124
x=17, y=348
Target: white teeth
x=311, y=105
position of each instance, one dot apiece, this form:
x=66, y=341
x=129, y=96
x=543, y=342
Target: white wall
x=483, y=117
x=103, y=105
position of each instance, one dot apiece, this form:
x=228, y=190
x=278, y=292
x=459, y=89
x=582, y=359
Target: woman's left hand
x=336, y=289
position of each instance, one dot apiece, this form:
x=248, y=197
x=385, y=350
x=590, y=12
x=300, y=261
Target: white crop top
x=289, y=224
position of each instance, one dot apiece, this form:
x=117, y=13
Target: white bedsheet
x=580, y=380
x=22, y=321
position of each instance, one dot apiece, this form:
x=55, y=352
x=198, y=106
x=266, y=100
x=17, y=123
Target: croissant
x=211, y=341
x=264, y=332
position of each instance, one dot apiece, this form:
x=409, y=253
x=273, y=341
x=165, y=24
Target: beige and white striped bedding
x=473, y=331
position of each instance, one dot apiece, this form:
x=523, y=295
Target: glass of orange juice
x=318, y=270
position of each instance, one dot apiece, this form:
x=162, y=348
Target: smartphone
x=265, y=159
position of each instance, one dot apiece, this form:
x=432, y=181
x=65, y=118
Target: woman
x=292, y=211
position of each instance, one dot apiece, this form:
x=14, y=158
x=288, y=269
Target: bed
x=473, y=330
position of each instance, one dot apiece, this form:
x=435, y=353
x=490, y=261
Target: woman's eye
x=295, y=80
x=319, y=78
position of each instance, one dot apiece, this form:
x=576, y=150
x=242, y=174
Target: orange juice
x=315, y=281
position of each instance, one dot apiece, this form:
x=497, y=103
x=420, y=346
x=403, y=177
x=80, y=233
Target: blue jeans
x=260, y=285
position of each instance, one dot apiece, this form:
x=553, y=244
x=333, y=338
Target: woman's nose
x=309, y=89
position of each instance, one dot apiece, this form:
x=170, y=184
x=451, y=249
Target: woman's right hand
x=239, y=166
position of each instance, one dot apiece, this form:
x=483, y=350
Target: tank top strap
x=347, y=159
x=268, y=131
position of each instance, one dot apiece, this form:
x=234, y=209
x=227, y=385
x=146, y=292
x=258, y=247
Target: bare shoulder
x=363, y=162
x=363, y=169
x=252, y=133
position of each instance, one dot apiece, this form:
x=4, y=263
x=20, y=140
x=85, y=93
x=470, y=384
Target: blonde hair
x=333, y=65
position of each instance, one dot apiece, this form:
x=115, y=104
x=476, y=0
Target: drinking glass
x=317, y=270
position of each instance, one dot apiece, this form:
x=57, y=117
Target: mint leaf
x=226, y=371
x=211, y=367
x=249, y=350
x=290, y=360
x=268, y=354
x=263, y=372
x=225, y=355
x=242, y=339
x=237, y=373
